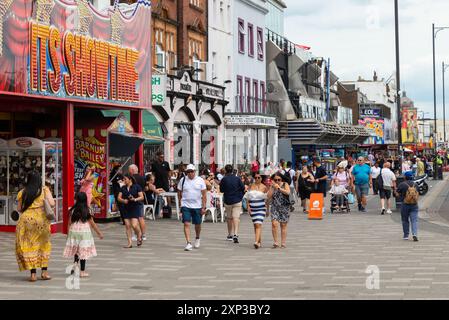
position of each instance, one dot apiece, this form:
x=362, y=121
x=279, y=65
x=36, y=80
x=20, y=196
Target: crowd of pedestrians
x=263, y=192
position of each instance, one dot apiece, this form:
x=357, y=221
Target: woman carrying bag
x=33, y=235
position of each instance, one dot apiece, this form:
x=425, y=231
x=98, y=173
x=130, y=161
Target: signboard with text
x=69, y=51
x=158, y=89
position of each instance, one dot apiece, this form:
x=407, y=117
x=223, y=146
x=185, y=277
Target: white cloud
x=358, y=36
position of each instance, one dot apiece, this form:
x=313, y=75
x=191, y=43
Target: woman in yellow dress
x=33, y=246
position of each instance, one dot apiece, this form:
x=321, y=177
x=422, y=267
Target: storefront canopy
x=124, y=144
x=151, y=126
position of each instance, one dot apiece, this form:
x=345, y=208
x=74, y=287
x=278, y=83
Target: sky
x=358, y=36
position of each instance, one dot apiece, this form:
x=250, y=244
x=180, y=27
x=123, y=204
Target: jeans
x=409, y=213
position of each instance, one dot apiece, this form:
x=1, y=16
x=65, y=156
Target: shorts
x=191, y=215
x=233, y=211
x=361, y=190
x=385, y=193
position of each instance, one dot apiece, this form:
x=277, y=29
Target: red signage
x=68, y=50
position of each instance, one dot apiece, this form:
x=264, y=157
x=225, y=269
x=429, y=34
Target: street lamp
x=444, y=67
x=398, y=80
x=435, y=31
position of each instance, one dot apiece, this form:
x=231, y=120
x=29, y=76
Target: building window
x=260, y=44
x=247, y=94
x=160, y=57
x=255, y=96
x=240, y=93
x=263, y=96
x=241, y=37
x=250, y=40
x=196, y=3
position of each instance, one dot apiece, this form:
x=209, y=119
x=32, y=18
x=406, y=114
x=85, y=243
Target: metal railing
x=246, y=104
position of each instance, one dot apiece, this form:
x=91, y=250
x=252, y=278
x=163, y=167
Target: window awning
x=151, y=127
x=124, y=144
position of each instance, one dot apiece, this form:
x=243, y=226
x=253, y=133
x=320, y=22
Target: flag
x=302, y=47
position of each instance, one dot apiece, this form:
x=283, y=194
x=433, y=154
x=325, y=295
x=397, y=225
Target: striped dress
x=256, y=200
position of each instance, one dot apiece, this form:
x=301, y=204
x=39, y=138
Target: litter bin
x=399, y=180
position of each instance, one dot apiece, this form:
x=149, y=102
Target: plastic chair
x=210, y=208
x=148, y=209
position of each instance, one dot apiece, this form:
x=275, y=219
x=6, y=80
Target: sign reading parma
x=67, y=50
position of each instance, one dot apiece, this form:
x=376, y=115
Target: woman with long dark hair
x=33, y=235
x=279, y=196
x=131, y=195
x=257, y=206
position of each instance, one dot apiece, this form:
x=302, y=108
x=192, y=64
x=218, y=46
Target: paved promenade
x=324, y=260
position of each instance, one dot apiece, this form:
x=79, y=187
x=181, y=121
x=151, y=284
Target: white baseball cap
x=190, y=167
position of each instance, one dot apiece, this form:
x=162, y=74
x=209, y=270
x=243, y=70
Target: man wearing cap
x=409, y=212
x=192, y=196
x=361, y=175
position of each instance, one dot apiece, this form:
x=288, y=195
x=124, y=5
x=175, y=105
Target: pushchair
x=334, y=204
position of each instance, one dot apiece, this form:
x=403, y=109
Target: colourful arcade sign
x=67, y=50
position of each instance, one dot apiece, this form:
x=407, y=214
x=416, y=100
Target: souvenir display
x=21, y=156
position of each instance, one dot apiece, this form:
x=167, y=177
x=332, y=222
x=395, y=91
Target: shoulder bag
x=49, y=211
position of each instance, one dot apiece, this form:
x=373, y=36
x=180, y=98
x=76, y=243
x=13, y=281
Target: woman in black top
x=305, y=184
x=131, y=195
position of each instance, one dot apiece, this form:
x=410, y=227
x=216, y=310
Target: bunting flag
x=302, y=47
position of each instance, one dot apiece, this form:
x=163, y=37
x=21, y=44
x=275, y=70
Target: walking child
x=80, y=242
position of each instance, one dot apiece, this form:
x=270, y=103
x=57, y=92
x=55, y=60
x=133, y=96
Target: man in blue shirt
x=233, y=191
x=361, y=178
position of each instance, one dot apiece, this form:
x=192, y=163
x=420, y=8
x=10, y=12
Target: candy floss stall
x=22, y=156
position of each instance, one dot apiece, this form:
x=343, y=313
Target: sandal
x=283, y=246
x=275, y=246
x=33, y=278
x=84, y=275
x=256, y=245
x=128, y=247
x=139, y=242
x=45, y=277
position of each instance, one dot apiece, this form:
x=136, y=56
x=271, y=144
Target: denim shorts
x=191, y=215
x=362, y=190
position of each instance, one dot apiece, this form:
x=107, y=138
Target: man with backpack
x=408, y=195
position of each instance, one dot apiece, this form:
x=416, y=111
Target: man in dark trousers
x=233, y=191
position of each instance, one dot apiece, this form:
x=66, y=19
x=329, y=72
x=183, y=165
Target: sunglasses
x=277, y=180
x=257, y=178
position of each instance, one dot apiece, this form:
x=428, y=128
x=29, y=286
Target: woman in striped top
x=257, y=206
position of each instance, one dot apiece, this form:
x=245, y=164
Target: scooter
x=423, y=187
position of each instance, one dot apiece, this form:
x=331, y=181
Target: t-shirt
x=320, y=173
x=191, y=192
x=233, y=189
x=343, y=178
x=161, y=172
x=388, y=177
x=421, y=170
x=403, y=188
x=375, y=172
x=292, y=174
x=140, y=180
x=361, y=174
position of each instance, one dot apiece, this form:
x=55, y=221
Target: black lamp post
x=444, y=68
x=398, y=81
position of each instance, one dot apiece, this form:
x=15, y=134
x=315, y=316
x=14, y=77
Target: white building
x=250, y=132
x=220, y=66
x=275, y=16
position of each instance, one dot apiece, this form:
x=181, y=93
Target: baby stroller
x=334, y=204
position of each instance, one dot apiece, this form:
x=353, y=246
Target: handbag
x=351, y=199
x=49, y=211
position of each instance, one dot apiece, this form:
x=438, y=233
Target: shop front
x=192, y=122
x=60, y=62
x=249, y=136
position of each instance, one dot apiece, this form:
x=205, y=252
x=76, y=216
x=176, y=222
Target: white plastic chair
x=148, y=209
x=209, y=208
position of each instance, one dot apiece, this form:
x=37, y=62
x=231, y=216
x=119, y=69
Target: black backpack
x=380, y=180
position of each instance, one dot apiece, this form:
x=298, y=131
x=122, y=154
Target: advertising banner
x=65, y=49
x=158, y=89
x=376, y=129
x=409, y=127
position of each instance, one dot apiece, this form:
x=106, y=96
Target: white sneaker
x=389, y=211
x=144, y=237
x=197, y=243
x=134, y=238
x=188, y=247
